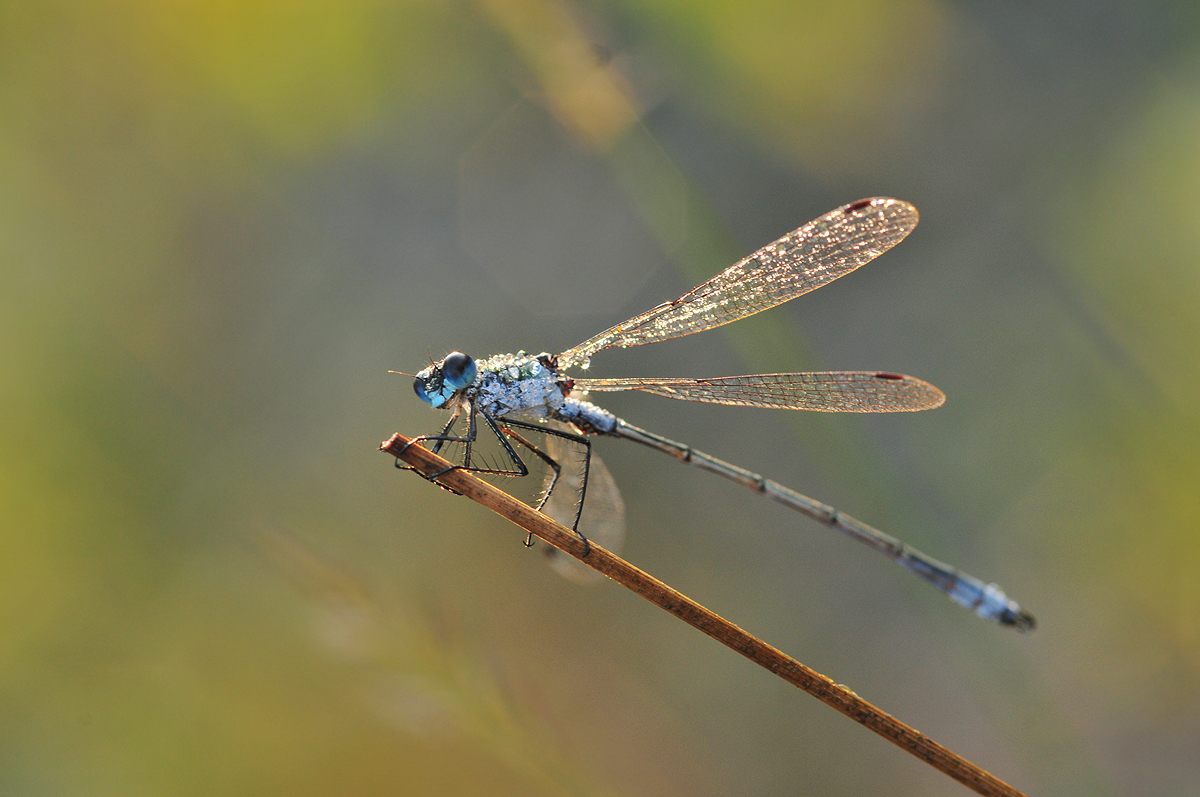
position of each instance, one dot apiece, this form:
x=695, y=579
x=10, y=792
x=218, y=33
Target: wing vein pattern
x=801, y=261
x=823, y=391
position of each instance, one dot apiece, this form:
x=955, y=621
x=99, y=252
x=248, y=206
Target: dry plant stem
x=725, y=632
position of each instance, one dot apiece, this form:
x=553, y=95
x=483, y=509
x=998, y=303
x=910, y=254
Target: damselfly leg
x=503, y=429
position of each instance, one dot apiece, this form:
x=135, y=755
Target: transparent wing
x=824, y=391
x=801, y=261
x=603, y=519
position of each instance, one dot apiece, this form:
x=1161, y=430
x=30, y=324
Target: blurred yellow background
x=222, y=223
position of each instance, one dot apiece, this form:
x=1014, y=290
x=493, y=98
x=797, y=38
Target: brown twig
x=686, y=609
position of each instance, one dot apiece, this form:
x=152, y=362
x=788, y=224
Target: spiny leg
x=521, y=469
x=587, y=461
x=554, y=467
x=468, y=441
x=442, y=436
x=440, y=440
x=552, y=463
x=494, y=425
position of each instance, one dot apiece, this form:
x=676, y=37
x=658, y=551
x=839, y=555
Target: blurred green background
x=222, y=223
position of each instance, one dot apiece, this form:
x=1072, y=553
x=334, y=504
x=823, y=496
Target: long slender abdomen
x=587, y=416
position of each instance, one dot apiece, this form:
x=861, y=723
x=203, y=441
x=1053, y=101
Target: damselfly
x=516, y=394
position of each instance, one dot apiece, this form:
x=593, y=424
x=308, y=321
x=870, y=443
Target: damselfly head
x=438, y=383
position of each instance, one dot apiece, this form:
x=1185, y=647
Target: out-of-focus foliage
x=823, y=83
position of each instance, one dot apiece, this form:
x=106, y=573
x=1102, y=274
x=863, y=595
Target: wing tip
x=929, y=396
x=890, y=205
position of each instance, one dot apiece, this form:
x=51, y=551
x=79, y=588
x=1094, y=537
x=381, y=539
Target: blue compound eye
x=458, y=370
x=419, y=387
